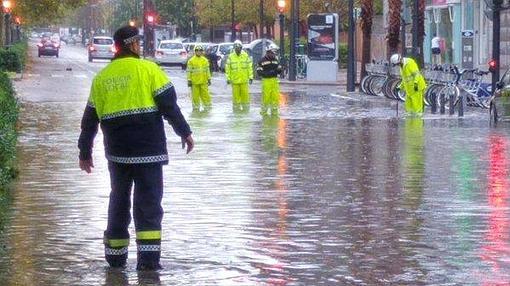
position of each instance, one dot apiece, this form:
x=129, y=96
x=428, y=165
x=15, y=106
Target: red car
x=47, y=47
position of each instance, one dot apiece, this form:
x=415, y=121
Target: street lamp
x=351, y=64
x=281, y=9
x=233, y=19
x=7, y=5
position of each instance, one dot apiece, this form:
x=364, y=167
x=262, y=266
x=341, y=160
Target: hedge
x=12, y=59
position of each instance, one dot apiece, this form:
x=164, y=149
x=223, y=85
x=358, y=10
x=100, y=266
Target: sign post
x=467, y=49
x=322, y=47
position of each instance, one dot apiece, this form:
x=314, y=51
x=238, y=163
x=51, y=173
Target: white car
x=172, y=53
x=101, y=47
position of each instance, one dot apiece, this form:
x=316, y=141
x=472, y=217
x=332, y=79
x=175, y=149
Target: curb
x=313, y=83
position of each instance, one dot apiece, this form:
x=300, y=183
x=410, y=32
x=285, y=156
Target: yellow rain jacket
x=412, y=77
x=239, y=68
x=198, y=70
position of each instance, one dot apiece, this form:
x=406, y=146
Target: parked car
x=255, y=49
x=171, y=52
x=190, y=48
x=101, y=47
x=500, y=100
x=216, y=53
x=47, y=47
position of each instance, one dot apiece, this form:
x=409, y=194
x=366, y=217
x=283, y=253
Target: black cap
x=126, y=35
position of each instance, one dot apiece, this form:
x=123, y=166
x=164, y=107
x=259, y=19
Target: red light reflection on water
x=496, y=251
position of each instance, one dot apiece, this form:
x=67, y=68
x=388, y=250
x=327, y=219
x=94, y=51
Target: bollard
x=462, y=104
x=442, y=108
x=433, y=103
x=451, y=102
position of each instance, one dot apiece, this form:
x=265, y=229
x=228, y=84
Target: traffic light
x=493, y=65
x=150, y=19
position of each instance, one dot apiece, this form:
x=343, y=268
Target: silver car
x=101, y=48
x=171, y=53
x=500, y=101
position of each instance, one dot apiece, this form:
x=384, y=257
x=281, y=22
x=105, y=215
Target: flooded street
x=338, y=190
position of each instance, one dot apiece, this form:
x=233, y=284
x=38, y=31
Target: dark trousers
x=147, y=213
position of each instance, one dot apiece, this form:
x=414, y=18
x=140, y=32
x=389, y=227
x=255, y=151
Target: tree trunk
x=2, y=29
x=367, y=13
x=421, y=30
x=393, y=26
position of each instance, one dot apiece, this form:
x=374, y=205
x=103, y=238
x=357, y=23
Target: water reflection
x=496, y=249
x=273, y=136
x=330, y=193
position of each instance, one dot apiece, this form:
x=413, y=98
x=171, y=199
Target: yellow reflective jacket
x=198, y=70
x=129, y=99
x=117, y=90
x=411, y=75
x=239, y=68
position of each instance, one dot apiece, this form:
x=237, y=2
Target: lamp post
x=351, y=64
x=261, y=16
x=292, y=54
x=281, y=9
x=496, y=30
x=233, y=24
x=7, y=5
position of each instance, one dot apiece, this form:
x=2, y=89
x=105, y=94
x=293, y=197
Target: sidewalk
x=341, y=80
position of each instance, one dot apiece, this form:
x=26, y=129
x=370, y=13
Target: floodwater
x=338, y=190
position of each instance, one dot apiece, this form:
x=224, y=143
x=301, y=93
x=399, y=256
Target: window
x=103, y=41
x=171, y=46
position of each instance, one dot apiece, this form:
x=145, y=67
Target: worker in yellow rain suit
x=239, y=72
x=413, y=83
x=268, y=69
x=199, y=79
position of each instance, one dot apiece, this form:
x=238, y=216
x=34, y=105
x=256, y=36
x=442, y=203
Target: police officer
x=129, y=99
x=413, y=83
x=199, y=79
x=239, y=72
x=268, y=68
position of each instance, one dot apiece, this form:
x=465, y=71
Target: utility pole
x=351, y=64
x=148, y=28
x=496, y=30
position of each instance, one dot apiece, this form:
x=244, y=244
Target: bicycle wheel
x=376, y=86
x=363, y=83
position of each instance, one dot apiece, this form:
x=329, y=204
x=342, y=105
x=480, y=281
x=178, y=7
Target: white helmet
x=273, y=48
x=238, y=43
x=395, y=59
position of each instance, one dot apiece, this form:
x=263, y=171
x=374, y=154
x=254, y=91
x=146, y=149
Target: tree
x=367, y=13
x=45, y=12
x=179, y=13
x=393, y=26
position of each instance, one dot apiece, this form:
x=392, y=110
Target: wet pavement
x=338, y=190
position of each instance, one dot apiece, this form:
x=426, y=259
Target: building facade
x=465, y=27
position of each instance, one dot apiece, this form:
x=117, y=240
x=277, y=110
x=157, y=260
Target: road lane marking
x=57, y=75
x=342, y=96
x=80, y=75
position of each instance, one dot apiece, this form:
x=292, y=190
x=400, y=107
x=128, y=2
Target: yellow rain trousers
x=240, y=97
x=411, y=76
x=239, y=71
x=199, y=74
x=270, y=95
